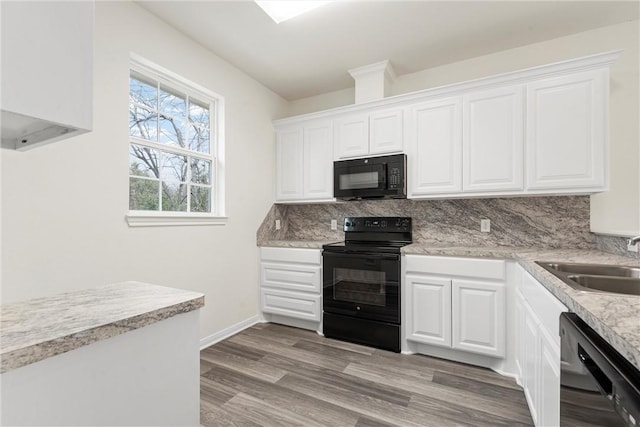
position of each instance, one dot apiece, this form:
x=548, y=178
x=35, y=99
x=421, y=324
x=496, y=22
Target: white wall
x=613, y=212
x=64, y=205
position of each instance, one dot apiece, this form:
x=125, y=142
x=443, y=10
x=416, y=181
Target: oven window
x=359, y=286
x=354, y=181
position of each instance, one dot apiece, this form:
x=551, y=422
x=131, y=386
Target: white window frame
x=137, y=218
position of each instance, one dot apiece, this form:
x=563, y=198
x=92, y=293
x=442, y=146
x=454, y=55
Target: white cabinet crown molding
x=519, y=76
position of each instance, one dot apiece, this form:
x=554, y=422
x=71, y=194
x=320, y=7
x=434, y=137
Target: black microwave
x=371, y=177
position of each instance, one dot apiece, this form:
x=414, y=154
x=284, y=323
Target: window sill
x=146, y=219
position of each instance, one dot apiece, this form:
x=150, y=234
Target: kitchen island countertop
x=36, y=329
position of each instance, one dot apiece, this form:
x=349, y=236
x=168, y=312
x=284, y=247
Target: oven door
x=364, y=285
x=359, y=180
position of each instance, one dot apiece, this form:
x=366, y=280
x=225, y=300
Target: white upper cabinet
x=385, y=132
x=304, y=166
x=540, y=131
x=364, y=134
x=434, y=147
x=352, y=136
x=318, y=162
x=567, y=131
x=492, y=140
x=47, y=71
x=289, y=160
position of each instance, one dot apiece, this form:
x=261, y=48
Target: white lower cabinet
x=291, y=304
x=456, y=303
x=430, y=319
x=291, y=283
x=478, y=310
x=549, y=376
x=538, y=349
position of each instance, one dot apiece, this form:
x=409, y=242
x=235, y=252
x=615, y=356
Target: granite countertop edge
x=614, y=317
x=300, y=244
x=32, y=351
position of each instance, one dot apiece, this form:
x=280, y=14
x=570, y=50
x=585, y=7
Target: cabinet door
x=520, y=335
x=549, y=380
x=531, y=362
x=429, y=307
x=435, y=147
x=385, y=132
x=567, y=131
x=478, y=317
x=318, y=161
x=492, y=141
x=289, y=156
x=352, y=136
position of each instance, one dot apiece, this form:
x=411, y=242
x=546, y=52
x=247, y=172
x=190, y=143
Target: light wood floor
x=273, y=375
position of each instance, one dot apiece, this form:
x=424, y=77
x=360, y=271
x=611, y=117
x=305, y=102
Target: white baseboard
x=227, y=332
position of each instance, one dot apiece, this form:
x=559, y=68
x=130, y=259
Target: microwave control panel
x=395, y=177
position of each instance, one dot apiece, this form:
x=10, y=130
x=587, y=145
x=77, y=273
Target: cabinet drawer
x=466, y=267
x=291, y=276
x=546, y=306
x=291, y=304
x=289, y=255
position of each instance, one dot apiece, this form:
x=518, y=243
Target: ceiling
x=310, y=54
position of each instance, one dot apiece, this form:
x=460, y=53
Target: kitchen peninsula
x=125, y=354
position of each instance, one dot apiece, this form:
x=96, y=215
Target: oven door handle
x=362, y=255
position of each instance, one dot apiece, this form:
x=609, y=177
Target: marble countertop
x=305, y=244
x=40, y=328
x=615, y=317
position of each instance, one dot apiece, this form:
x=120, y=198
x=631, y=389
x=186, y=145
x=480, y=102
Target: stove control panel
x=381, y=224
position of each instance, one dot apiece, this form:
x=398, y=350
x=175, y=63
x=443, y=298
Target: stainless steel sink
x=619, y=285
x=597, y=277
x=594, y=269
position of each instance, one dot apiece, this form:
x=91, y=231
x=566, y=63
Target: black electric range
x=361, y=281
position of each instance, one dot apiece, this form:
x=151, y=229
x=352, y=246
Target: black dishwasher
x=598, y=386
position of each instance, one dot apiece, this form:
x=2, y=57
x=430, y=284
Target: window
x=175, y=146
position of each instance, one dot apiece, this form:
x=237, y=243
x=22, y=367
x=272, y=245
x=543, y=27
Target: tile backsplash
x=549, y=222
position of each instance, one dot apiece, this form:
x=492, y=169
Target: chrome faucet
x=633, y=241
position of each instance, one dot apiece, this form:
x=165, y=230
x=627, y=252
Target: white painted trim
x=543, y=71
x=506, y=374
x=165, y=219
x=217, y=134
x=379, y=67
x=227, y=332
x=305, y=202
x=146, y=67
